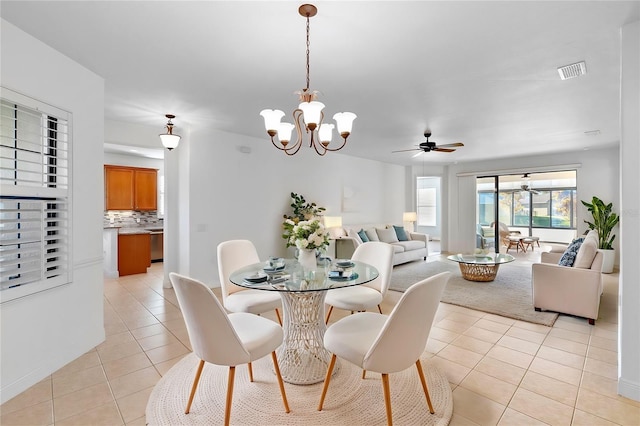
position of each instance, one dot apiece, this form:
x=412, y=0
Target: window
x=426, y=208
x=34, y=200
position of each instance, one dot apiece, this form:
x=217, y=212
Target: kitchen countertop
x=133, y=230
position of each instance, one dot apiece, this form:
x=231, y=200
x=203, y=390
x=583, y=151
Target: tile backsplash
x=130, y=218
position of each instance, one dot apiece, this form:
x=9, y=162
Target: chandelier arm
x=276, y=145
x=317, y=145
x=344, y=142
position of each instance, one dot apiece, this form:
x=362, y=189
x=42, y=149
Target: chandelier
x=308, y=117
x=169, y=140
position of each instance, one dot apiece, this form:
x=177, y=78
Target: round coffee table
x=480, y=268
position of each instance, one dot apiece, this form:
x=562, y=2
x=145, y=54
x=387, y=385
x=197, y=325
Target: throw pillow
x=372, y=234
x=387, y=235
x=586, y=254
x=488, y=232
x=363, y=236
x=353, y=234
x=569, y=255
x=400, y=233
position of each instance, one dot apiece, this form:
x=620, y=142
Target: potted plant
x=604, y=220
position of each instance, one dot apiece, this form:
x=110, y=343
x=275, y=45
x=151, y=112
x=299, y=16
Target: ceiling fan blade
x=443, y=149
x=417, y=154
x=447, y=145
x=405, y=150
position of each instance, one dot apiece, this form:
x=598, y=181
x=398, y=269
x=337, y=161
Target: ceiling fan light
x=344, y=120
x=326, y=132
x=272, y=119
x=311, y=112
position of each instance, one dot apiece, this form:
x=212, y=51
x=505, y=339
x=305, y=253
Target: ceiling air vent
x=573, y=70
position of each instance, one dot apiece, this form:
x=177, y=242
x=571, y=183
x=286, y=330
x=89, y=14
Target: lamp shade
x=332, y=221
x=311, y=111
x=344, y=120
x=326, y=132
x=284, y=132
x=169, y=140
x=409, y=216
x=272, y=119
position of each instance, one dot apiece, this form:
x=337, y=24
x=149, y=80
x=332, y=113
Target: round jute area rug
x=349, y=401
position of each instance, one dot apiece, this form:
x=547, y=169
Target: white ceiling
x=481, y=73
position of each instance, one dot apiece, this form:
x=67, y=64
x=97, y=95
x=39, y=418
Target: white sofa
x=573, y=290
x=415, y=248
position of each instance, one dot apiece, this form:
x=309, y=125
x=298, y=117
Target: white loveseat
x=573, y=290
x=414, y=248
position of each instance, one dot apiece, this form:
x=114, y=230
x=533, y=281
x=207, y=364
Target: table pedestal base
x=302, y=358
x=478, y=272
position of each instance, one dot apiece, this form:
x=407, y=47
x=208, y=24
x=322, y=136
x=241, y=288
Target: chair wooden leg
x=194, y=386
x=424, y=385
x=387, y=397
x=227, y=409
x=379, y=309
x=327, y=379
x=250, y=371
x=326, y=321
x=278, y=315
x=276, y=367
x=364, y=373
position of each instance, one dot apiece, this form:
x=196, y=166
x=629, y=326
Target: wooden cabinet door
x=119, y=188
x=134, y=253
x=146, y=189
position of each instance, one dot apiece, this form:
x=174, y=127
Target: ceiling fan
x=428, y=146
x=525, y=185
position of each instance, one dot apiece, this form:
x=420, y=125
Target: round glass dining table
x=302, y=357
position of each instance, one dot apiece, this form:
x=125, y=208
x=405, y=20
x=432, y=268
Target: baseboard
x=629, y=389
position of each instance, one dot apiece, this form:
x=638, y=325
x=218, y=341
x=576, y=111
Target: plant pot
x=609, y=258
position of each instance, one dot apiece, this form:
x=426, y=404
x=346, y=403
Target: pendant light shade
x=169, y=140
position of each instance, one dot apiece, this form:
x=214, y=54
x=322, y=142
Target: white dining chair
x=233, y=255
x=388, y=344
x=366, y=296
x=224, y=339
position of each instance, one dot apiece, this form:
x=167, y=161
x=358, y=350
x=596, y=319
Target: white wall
x=45, y=331
x=237, y=195
x=598, y=174
x=134, y=161
x=629, y=314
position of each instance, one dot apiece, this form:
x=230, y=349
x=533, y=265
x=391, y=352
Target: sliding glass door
x=535, y=204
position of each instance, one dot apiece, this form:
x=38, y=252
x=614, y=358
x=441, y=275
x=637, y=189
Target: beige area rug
x=509, y=295
x=349, y=401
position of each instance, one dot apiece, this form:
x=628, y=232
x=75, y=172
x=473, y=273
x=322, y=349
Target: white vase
x=609, y=257
x=307, y=259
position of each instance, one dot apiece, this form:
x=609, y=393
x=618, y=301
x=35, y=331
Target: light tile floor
x=501, y=371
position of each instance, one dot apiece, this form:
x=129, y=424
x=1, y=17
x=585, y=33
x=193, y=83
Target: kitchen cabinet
x=130, y=188
x=134, y=253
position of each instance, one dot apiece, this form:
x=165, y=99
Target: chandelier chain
x=308, y=50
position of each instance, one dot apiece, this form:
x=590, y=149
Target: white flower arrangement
x=305, y=234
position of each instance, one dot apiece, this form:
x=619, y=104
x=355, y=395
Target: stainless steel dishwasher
x=157, y=246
